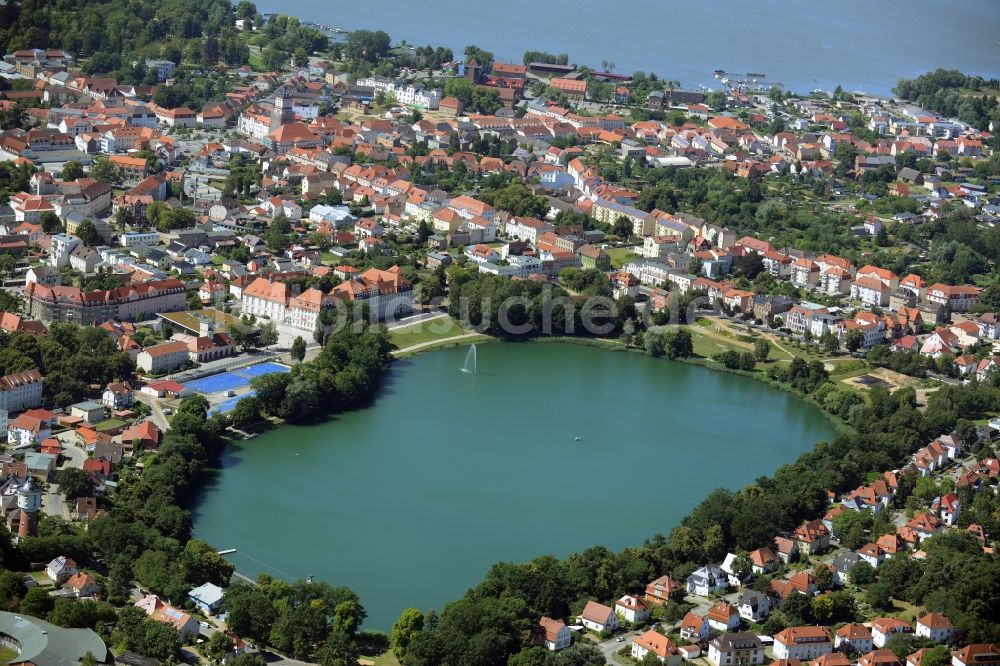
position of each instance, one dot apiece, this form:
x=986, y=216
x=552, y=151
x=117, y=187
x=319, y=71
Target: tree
x=123, y=218
x=622, y=227
x=103, y=169
x=678, y=343
x=247, y=659
x=71, y=171
x=823, y=577
x=367, y=45
x=216, y=647
x=879, y=595
x=939, y=655
x=50, y=222
x=268, y=334
x=74, y=482
x=160, y=641
x=829, y=342
x=742, y=566
x=654, y=343
x=7, y=265
x=246, y=412
x=761, y=349
x=853, y=340
x=36, y=602
x=850, y=528
x=87, y=233
x=410, y=622
x=298, y=350
x=862, y=573
x=714, y=544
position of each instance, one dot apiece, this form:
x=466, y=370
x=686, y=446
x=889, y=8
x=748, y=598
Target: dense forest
x=971, y=99
x=115, y=38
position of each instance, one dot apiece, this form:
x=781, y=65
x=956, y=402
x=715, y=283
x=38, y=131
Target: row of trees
x=511, y=309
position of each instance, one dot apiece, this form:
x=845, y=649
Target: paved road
x=417, y=318
x=53, y=503
x=72, y=452
x=155, y=410
x=610, y=648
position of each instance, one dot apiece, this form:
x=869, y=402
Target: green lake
x=410, y=501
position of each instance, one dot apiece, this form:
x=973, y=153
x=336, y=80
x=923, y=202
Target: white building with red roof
x=598, y=617
x=936, y=627
x=554, y=633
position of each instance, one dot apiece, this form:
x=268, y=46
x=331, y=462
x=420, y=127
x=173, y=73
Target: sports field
x=229, y=404
x=234, y=379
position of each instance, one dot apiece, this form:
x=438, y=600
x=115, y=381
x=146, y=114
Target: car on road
x=621, y=639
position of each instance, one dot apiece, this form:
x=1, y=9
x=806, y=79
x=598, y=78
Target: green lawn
x=622, y=255
x=7, y=655
x=110, y=424
x=42, y=578
x=425, y=331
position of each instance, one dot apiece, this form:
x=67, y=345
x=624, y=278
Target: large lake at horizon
x=803, y=44
x=409, y=502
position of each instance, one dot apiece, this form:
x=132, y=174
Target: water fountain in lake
x=469, y=367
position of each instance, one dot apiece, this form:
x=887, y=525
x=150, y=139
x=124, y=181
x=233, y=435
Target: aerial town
x=171, y=261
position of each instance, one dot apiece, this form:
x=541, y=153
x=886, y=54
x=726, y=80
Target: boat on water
x=756, y=75
x=579, y=439
x=719, y=73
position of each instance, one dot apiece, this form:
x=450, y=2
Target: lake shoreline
x=822, y=43
x=211, y=507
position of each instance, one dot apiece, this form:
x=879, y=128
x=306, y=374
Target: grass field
x=7, y=655
x=622, y=255
x=425, y=331
x=110, y=424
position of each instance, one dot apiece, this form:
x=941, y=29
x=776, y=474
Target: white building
x=598, y=617
x=802, y=643
x=936, y=627
x=557, y=634
x=139, y=238
x=736, y=649
x=20, y=391
x=632, y=608
x=406, y=94
x=62, y=246
x=338, y=215
x=162, y=357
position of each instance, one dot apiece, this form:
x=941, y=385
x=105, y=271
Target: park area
x=429, y=332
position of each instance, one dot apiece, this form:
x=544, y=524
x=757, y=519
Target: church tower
x=29, y=501
x=281, y=113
